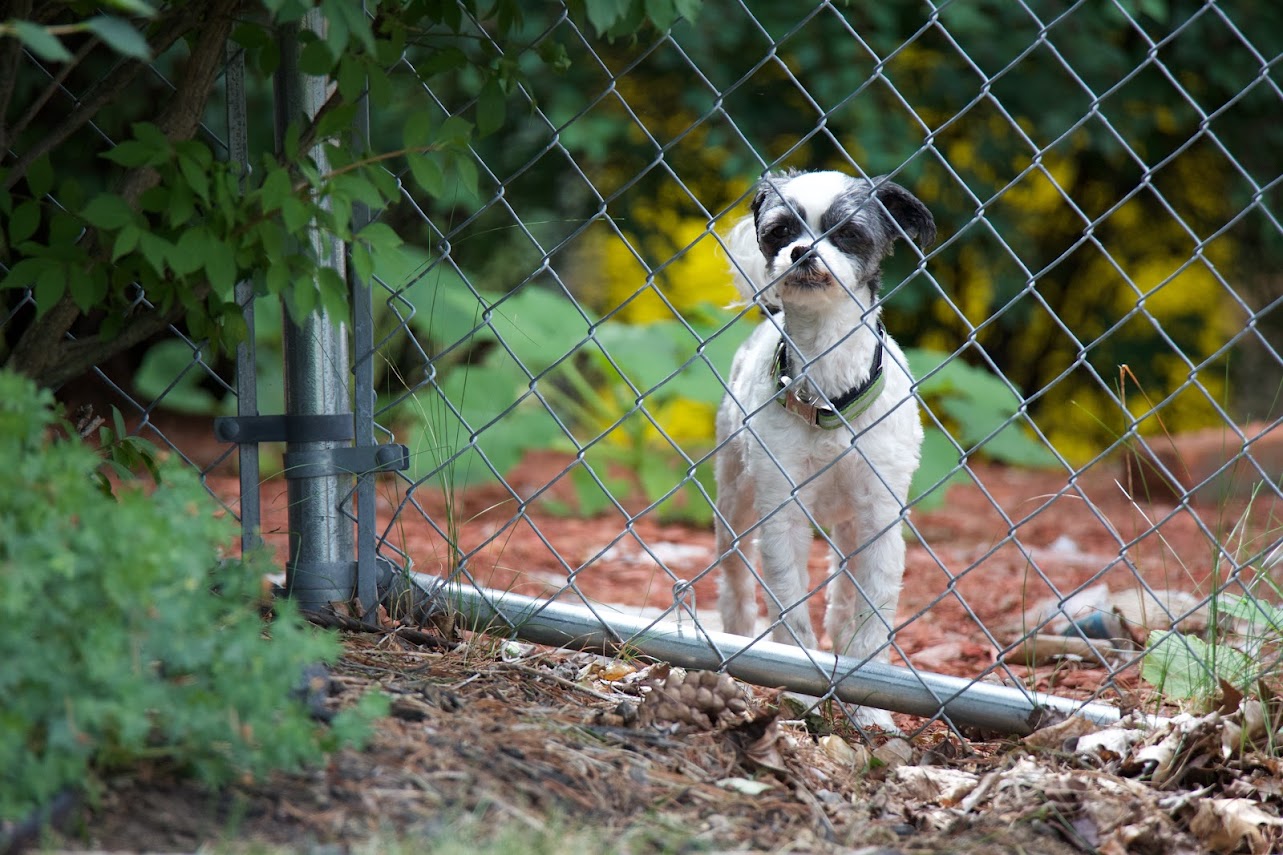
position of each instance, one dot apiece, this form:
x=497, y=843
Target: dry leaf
x=1056, y=735
x=937, y=784
x=745, y=785
x=852, y=756
x=894, y=753
x=1224, y=824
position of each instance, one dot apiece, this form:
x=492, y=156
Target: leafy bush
x=124, y=639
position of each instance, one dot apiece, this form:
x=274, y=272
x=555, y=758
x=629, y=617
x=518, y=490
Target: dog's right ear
x=913, y=217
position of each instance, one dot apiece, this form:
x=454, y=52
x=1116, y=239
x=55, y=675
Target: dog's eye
x=851, y=237
x=778, y=232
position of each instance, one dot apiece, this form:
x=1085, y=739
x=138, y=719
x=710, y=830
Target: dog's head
x=822, y=232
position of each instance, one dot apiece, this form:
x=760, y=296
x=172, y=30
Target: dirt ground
x=560, y=744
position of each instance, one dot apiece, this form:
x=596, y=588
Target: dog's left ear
x=907, y=211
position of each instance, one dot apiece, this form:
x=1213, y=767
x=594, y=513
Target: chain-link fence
x=1093, y=340
x=547, y=392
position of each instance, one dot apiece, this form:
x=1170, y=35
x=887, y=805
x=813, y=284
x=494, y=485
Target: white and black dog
x=820, y=425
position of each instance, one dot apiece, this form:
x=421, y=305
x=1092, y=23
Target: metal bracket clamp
x=358, y=460
x=256, y=429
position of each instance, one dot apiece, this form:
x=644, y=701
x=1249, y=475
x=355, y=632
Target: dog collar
x=845, y=408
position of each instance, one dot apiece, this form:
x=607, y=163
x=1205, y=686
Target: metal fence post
x=246, y=362
x=320, y=567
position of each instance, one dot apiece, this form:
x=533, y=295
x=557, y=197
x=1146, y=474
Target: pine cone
x=698, y=698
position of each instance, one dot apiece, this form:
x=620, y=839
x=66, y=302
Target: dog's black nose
x=798, y=252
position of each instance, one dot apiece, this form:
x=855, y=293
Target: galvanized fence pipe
x=320, y=567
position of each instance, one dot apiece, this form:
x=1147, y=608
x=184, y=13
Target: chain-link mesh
x=1094, y=338
x=553, y=360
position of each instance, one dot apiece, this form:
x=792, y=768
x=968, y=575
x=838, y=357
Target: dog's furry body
x=810, y=254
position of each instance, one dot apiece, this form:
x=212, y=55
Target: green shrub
x=124, y=639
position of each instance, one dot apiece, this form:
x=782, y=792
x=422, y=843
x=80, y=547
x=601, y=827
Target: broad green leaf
x=220, y=268
x=197, y=176
x=49, y=287
x=539, y=326
x=40, y=177
x=316, y=59
x=491, y=106
x=380, y=236
x=126, y=242
x=168, y=374
x=1187, y=667
x=645, y=354
x=276, y=189
x=191, y=251
x=454, y=131
x=936, y=471
x=25, y=272
x=132, y=154
x=688, y=9
x=24, y=222
x=662, y=13
x=426, y=170
x=139, y=8
x=604, y=14
x=88, y=288
x=40, y=41
x=107, y=211
x=120, y=36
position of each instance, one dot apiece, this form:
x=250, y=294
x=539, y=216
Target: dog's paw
x=873, y=718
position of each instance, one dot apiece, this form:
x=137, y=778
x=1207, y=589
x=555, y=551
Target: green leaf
x=276, y=189
x=50, y=286
x=196, y=174
x=380, y=236
x=132, y=154
x=166, y=374
x=426, y=169
x=24, y=222
x=454, y=131
x=688, y=9
x=220, y=268
x=936, y=471
x=40, y=41
x=465, y=175
x=139, y=8
x=152, y=137
x=25, y=272
x=40, y=177
x=107, y=211
x=417, y=130
x=120, y=36
x=351, y=78
x=491, y=106
x=191, y=251
x=662, y=13
x=89, y=288
x=539, y=326
x=316, y=59
x=126, y=242
x=296, y=214
x=604, y=14
x=155, y=250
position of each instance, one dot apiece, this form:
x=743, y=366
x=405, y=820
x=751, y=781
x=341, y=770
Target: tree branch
x=10, y=56
x=106, y=91
x=44, y=352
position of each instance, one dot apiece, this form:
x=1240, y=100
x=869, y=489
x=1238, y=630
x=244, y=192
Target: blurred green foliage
x=127, y=642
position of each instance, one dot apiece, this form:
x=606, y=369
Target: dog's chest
x=825, y=467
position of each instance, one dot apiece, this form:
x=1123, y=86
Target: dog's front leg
x=864, y=598
x=785, y=545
